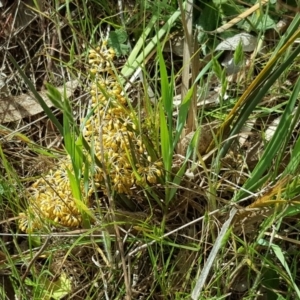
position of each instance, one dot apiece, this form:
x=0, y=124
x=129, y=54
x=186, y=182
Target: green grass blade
x=138, y=46
x=166, y=144
x=128, y=70
x=281, y=257
x=275, y=144
x=182, y=115
x=257, y=89
x=294, y=163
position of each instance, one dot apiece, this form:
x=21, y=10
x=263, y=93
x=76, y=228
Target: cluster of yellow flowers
x=111, y=131
x=51, y=199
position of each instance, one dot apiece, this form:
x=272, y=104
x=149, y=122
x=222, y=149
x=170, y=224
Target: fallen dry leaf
x=208, y=131
x=248, y=41
x=14, y=108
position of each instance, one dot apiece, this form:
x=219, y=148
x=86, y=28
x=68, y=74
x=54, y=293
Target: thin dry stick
x=240, y=17
x=121, y=249
x=187, y=19
x=192, y=116
x=34, y=258
x=283, y=238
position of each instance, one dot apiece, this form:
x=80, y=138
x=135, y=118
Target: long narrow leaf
x=182, y=114
x=256, y=91
x=130, y=69
x=166, y=146
x=275, y=143
x=278, y=252
x=165, y=93
x=139, y=45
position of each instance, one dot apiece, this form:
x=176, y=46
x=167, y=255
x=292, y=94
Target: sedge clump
x=111, y=131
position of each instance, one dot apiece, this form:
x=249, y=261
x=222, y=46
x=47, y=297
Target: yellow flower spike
x=67, y=220
x=37, y=183
x=158, y=173
x=93, y=71
x=111, y=51
x=141, y=150
x=158, y=164
x=72, y=221
x=117, y=90
x=127, y=165
x=122, y=100
x=123, y=129
x=92, y=60
x=120, y=188
x=151, y=179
